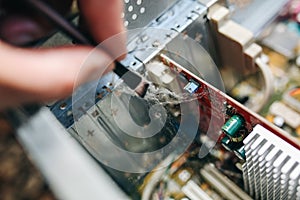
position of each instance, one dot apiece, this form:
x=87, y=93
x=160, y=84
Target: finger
x=48, y=74
x=103, y=19
x=14, y=98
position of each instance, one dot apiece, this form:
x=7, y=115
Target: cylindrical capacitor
x=228, y=144
x=233, y=125
x=241, y=153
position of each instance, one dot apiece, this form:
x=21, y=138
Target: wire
x=268, y=85
x=156, y=176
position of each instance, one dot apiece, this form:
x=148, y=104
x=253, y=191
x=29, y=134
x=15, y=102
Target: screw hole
x=134, y=16
x=126, y=23
x=130, y=8
x=142, y=10
x=63, y=106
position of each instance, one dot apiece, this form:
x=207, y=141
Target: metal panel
x=139, y=13
x=70, y=171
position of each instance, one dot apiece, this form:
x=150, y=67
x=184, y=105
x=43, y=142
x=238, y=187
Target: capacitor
x=233, y=125
x=241, y=153
x=228, y=144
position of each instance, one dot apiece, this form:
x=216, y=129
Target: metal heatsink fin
x=272, y=169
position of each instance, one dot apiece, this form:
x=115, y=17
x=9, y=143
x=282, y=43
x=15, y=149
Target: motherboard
x=221, y=117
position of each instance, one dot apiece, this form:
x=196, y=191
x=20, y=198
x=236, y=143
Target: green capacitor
x=241, y=153
x=228, y=144
x=233, y=125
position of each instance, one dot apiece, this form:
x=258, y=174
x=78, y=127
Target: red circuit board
x=212, y=107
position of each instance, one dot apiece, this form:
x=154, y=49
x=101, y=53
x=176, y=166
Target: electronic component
x=194, y=192
x=233, y=125
x=226, y=151
x=243, y=52
x=290, y=117
x=271, y=170
x=228, y=144
x=160, y=74
x=240, y=152
x=238, y=125
x=226, y=187
x=278, y=121
x=224, y=191
x=292, y=98
x=192, y=86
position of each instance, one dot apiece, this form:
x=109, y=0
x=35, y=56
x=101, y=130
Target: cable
x=268, y=84
x=156, y=176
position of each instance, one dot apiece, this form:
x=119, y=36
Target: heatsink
x=272, y=167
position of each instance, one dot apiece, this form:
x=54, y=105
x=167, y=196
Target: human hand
x=31, y=75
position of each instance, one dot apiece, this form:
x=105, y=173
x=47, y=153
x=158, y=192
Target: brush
x=131, y=79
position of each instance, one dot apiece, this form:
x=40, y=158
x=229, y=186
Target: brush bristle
x=142, y=88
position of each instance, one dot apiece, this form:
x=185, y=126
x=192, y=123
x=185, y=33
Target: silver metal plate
x=139, y=13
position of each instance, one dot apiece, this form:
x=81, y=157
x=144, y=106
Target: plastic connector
x=235, y=43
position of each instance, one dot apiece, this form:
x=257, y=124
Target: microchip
x=192, y=87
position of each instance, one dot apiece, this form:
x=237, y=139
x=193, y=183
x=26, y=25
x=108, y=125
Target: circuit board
x=280, y=42
x=217, y=175
x=206, y=144
x=210, y=167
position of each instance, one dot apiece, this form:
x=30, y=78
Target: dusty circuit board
x=214, y=156
x=210, y=167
